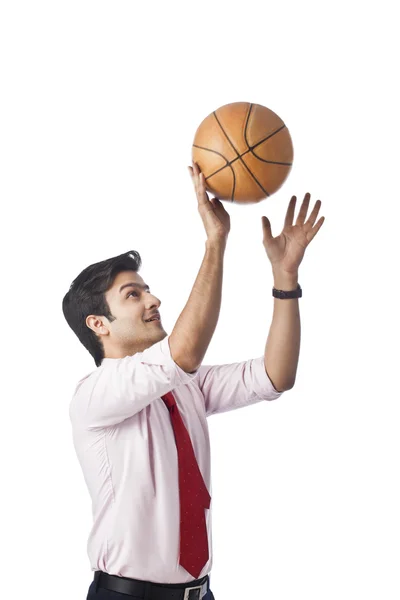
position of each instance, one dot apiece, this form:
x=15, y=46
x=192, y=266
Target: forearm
x=283, y=343
x=196, y=324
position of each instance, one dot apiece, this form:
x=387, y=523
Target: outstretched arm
x=282, y=349
x=286, y=252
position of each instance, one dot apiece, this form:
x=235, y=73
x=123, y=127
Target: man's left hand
x=286, y=251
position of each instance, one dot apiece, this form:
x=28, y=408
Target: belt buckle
x=188, y=596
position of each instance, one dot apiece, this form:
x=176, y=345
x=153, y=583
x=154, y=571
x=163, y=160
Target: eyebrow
x=131, y=284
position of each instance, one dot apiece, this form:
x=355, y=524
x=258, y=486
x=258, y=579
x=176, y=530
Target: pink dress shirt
x=123, y=437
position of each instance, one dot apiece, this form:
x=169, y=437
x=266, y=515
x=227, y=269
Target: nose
x=153, y=301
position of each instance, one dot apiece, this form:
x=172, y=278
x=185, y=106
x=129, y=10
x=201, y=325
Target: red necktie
x=194, y=497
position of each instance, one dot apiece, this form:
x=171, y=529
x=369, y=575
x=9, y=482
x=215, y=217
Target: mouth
x=154, y=320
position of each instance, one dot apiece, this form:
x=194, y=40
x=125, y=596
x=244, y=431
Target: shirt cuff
x=263, y=386
x=180, y=376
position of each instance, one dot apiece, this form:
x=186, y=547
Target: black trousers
x=99, y=593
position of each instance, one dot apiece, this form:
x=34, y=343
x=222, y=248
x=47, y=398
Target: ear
x=96, y=324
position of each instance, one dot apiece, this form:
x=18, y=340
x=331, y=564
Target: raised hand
x=286, y=251
x=214, y=216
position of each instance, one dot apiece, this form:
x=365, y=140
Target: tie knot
x=169, y=400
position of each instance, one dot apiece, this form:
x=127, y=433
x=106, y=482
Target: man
x=139, y=420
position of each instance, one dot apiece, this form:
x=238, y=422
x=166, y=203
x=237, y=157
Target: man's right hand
x=216, y=220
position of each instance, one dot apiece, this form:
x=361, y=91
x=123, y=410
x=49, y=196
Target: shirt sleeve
x=122, y=387
x=228, y=387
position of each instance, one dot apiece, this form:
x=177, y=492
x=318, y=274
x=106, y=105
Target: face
x=132, y=303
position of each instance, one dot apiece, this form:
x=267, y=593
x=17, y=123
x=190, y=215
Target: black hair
x=86, y=296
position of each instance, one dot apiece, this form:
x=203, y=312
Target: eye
x=133, y=292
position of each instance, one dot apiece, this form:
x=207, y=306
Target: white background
x=100, y=102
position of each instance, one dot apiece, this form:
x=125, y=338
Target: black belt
x=195, y=590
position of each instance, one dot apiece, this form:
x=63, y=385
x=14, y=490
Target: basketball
x=244, y=151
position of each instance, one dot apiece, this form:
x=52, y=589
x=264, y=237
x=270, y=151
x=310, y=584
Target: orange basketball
x=244, y=150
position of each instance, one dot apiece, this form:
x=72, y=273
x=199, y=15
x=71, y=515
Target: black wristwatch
x=297, y=293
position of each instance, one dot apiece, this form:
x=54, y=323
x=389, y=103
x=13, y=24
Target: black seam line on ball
x=251, y=148
x=245, y=134
x=228, y=164
x=239, y=157
x=271, y=162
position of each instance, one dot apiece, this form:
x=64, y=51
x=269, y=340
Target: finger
x=267, y=233
x=303, y=210
x=196, y=177
x=290, y=212
x=217, y=203
x=311, y=234
x=202, y=195
x=196, y=172
x=314, y=214
x=201, y=183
